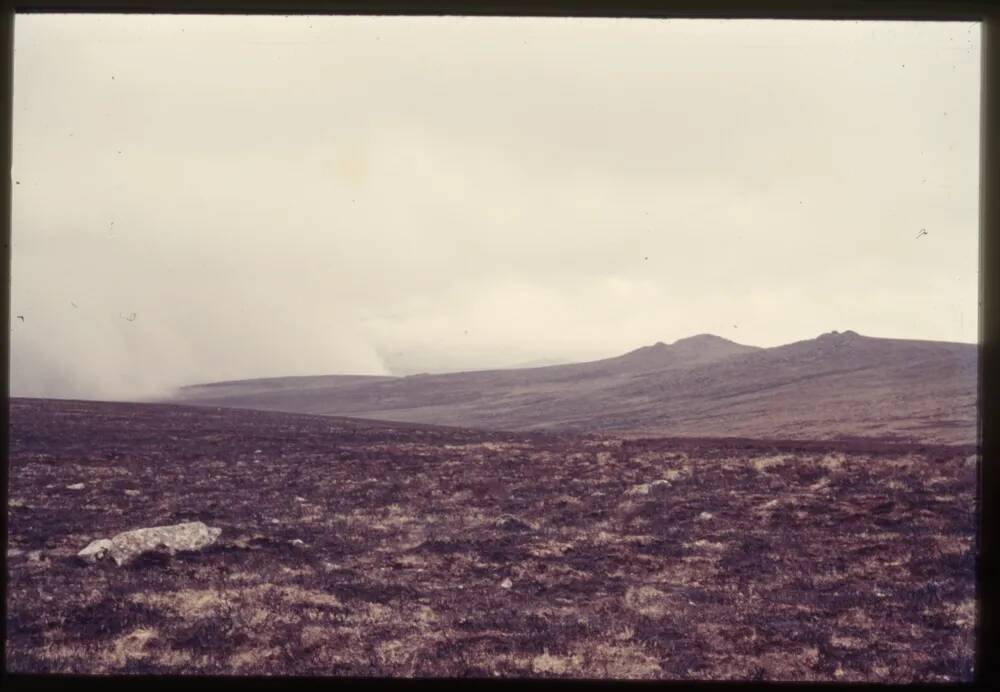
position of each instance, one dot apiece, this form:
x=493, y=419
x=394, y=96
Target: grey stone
x=127, y=546
x=647, y=488
x=96, y=550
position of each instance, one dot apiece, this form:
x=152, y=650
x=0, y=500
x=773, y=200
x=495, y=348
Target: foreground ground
x=351, y=548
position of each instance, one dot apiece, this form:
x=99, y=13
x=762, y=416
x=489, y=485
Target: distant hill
x=836, y=385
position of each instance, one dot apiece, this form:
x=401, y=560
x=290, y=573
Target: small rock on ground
x=96, y=550
x=647, y=488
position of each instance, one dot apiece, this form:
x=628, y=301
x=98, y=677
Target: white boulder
x=127, y=546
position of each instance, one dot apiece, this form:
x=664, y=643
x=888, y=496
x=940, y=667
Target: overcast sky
x=209, y=198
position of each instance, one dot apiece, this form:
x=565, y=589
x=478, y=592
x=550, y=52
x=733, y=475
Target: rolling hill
x=836, y=385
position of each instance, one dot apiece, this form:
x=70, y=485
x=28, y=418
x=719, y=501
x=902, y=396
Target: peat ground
x=363, y=549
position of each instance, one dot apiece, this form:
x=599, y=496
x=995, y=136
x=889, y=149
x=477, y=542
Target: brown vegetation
x=448, y=552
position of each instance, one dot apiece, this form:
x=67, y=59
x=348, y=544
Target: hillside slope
x=836, y=385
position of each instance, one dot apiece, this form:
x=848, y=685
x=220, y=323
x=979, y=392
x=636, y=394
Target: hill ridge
x=835, y=384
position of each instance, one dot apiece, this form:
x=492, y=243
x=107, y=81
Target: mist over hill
x=835, y=385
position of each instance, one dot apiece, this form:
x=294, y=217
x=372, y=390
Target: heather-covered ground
x=361, y=549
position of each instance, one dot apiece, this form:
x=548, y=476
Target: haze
x=214, y=198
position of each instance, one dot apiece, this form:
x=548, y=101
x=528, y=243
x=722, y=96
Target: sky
x=201, y=198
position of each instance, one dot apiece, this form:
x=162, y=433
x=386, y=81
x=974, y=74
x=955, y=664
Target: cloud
x=347, y=194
